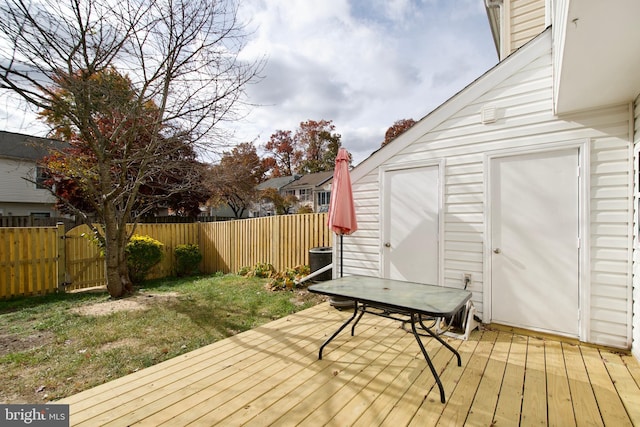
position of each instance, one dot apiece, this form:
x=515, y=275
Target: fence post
x=232, y=250
x=275, y=241
x=61, y=256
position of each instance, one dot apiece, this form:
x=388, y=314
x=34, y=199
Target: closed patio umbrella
x=342, y=213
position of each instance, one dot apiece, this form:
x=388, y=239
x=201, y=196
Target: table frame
x=403, y=314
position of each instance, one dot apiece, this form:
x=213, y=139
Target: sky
x=362, y=64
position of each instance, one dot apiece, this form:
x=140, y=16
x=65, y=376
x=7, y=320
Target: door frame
x=584, y=276
x=384, y=232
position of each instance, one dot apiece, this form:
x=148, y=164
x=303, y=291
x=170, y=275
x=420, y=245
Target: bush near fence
x=38, y=260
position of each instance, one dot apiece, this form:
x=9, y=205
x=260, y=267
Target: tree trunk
x=114, y=284
x=117, y=274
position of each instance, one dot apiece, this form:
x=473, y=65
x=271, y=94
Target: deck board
x=461, y=400
x=271, y=375
x=195, y=400
x=560, y=407
x=611, y=407
x=485, y=400
x=585, y=406
x=166, y=387
x=625, y=385
x=509, y=404
x=534, y=408
x=431, y=410
x=404, y=377
x=381, y=387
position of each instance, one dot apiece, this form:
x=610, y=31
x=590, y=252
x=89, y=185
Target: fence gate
x=84, y=262
x=28, y=260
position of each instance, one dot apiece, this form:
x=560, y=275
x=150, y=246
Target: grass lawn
x=58, y=345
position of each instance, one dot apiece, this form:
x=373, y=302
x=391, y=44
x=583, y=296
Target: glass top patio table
x=411, y=299
x=430, y=300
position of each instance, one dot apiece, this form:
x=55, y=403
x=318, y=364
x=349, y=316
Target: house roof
x=26, y=147
x=310, y=180
x=276, y=183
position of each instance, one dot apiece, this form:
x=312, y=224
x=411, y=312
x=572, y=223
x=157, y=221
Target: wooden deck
x=272, y=376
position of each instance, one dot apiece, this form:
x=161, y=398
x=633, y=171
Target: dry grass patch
x=139, y=301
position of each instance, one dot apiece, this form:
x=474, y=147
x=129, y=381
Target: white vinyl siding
x=520, y=22
x=523, y=101
x=362, y=253
x=636, y=233
x=14, y=188
x=527, y=18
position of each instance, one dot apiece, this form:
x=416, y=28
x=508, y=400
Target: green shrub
x=188, y=258
x=143, y=252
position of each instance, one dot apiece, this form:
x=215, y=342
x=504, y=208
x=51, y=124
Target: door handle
x=497, y=251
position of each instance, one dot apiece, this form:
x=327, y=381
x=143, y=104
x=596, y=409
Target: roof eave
x=493, y=8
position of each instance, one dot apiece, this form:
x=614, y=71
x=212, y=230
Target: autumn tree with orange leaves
x=397, y=129
x=284, y=155
x=178, y=78
x=312, y=148
x=116, y=168
x=234, y=179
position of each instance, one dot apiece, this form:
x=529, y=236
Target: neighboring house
x=264, y=207
x=221, y=212
x=525, y=179
x=20, y=194
x=311, y=190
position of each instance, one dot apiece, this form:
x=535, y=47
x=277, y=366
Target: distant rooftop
x=26, y=147
x=310, y=180
x=276, y=183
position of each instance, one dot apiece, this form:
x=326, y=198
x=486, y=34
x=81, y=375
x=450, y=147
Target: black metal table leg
x=443, y=342
x=362, y=310
x=426, y=356
x=344, y=325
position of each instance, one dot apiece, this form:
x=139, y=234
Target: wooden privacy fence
x=283, y=241
x=85, y=265
x=38, y=260
x=29, y=260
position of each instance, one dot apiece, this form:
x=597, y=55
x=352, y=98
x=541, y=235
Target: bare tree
x=180, y=58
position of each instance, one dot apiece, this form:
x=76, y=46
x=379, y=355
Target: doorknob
x=497, y=251
x=387, y=245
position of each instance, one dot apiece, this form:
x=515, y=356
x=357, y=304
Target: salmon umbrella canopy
x=342, y=213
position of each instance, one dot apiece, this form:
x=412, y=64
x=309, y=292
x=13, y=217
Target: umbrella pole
x=341, y=266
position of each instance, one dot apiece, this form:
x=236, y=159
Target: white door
x=411, y=226
x=534, y=238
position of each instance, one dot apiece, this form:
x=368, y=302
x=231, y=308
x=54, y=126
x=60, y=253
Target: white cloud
x=362, y=63
x=17, y=116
